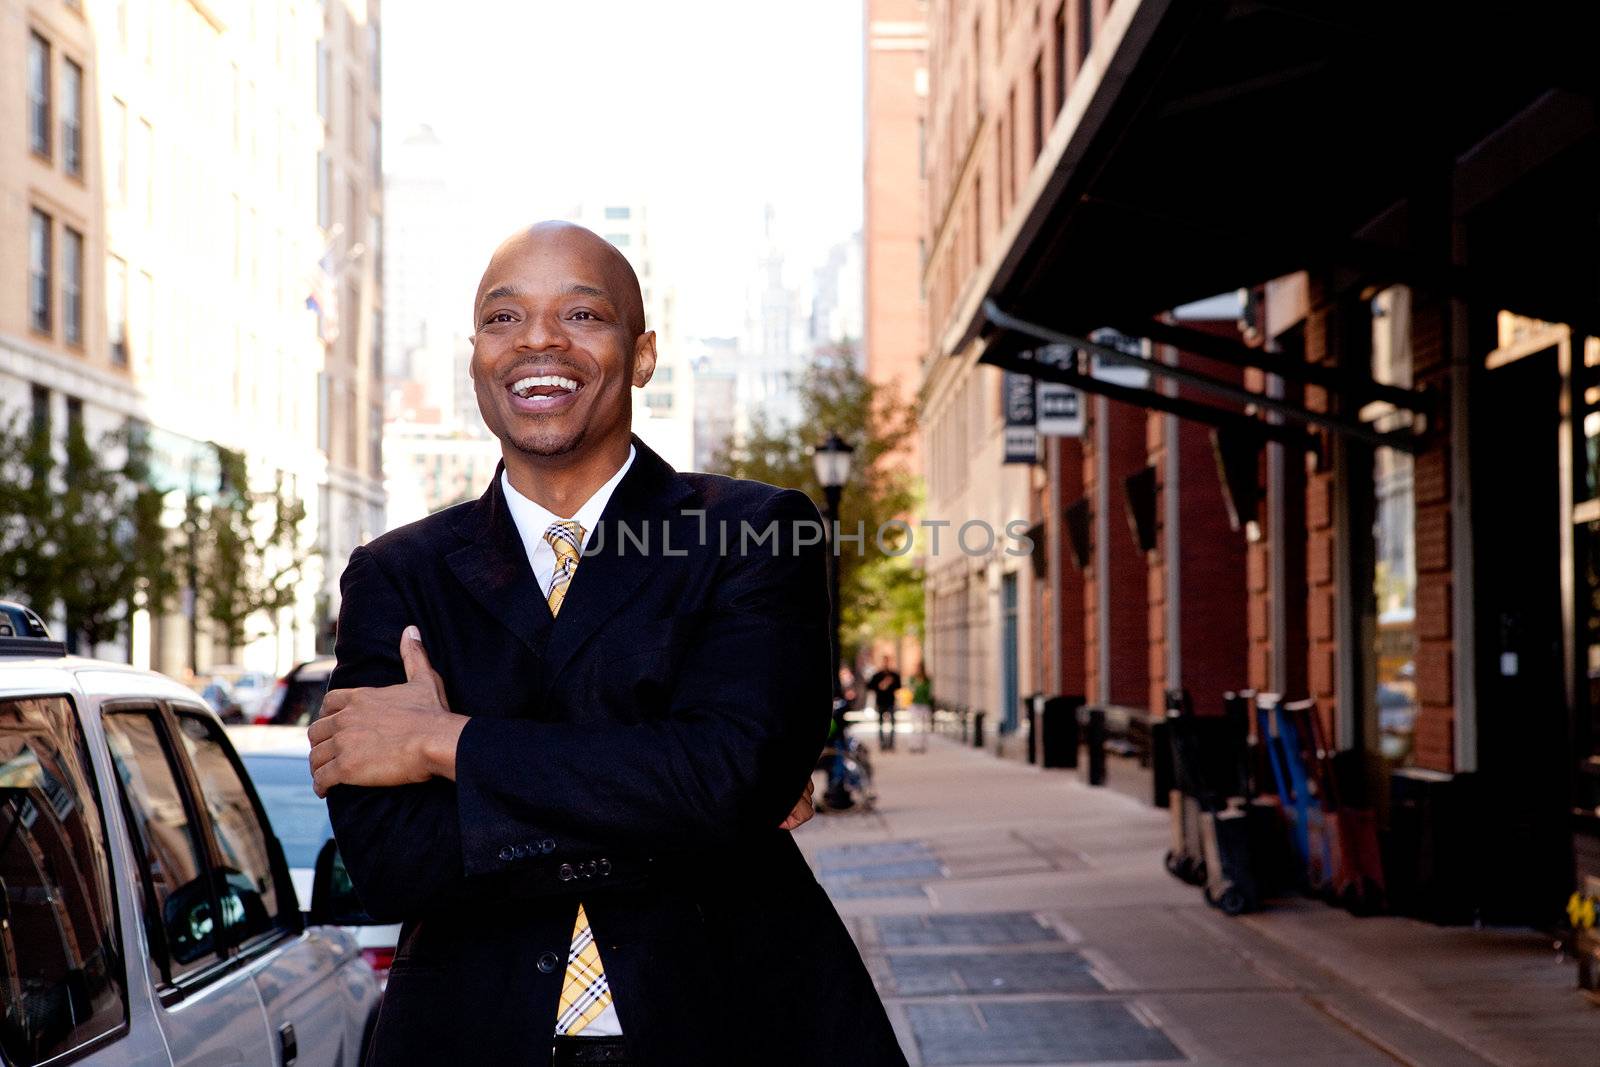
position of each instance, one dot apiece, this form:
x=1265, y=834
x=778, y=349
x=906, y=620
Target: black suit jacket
x=636, y=754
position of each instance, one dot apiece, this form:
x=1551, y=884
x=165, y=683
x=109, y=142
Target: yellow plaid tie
x=585, y=993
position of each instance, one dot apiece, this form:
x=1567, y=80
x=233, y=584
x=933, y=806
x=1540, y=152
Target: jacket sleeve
x=402, y=844
x=748, y=715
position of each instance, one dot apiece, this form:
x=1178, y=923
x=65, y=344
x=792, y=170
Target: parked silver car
x=147, y=914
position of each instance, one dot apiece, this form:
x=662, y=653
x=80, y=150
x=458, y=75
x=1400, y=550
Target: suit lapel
x=493, y=566
x=615, y=565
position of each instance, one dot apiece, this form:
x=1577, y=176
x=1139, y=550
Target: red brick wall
x=1069, y=584
x=1434, y=739
x=1129, y=624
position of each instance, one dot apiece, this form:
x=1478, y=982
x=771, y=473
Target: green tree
x=248, y=554
x=81, y=534
x=880, y=593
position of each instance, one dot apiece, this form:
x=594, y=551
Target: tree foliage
x=248, y=552
x=78, y=531
x=83, y=533
x=880, y=593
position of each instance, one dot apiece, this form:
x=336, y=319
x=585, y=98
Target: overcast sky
x=710, y=109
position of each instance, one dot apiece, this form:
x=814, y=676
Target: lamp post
x=832, y=459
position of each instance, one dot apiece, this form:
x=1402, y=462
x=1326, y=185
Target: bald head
x=620, y=285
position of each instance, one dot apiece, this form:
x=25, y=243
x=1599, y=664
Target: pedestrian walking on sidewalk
x=883, y=685
x=568, y=725
x=921, y=709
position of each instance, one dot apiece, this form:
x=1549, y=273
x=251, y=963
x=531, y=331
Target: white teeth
x=522, y=386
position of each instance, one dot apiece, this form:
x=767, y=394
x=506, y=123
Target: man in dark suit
x=570, y=778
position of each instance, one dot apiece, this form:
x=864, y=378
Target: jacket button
x=547, y=846
x=507, y=854
x=548, y=962
x=605, y=867
x=565, y=873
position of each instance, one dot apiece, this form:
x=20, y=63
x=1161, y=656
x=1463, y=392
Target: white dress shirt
x=532, y=521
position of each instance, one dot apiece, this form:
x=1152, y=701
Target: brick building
x=1396, y=385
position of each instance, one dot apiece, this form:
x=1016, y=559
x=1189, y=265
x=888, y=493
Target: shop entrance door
x=1524, y=755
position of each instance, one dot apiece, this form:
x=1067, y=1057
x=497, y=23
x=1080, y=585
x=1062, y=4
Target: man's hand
x=803, y=809
x=386, y=735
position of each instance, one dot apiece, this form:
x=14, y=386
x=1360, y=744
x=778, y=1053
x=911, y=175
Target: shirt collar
x=533, y=518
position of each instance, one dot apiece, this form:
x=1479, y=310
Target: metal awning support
x=1222, y=350
x=1399, y=440
x=1026, y=363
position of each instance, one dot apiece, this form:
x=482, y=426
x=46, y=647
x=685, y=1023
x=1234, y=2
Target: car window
x=168, y=846
x=302, y=701
x=299, y=817
x=61, y=977
x=250, y=904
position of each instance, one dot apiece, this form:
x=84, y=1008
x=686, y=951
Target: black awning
x=1241, y=140
x=1062, y=362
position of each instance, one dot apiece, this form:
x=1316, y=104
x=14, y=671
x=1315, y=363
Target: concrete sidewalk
x=1014, y=915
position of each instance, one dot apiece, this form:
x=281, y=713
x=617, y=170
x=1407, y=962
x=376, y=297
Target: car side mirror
x=333, y=895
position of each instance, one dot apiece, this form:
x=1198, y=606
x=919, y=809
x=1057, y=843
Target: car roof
x=316, y=668
x=89, y=677
x=270, y=740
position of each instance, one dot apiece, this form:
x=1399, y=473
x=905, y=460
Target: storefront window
x=1393, y=531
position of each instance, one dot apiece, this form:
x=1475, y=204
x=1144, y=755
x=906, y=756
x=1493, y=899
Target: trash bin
x=1095, y=740
x=1058, y=731
x=977, y=728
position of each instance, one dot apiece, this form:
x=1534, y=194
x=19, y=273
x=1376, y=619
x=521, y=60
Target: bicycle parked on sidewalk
x=848, y=766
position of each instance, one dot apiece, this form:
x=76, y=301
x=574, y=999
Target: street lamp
x=832, y=459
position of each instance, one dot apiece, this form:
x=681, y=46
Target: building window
x=146, y=157
x=324, y=415
x=117, y=309
x=618, y=213
x=352, y=122
x=72, y=118
x=375, y=149
x=324, y=82
x=324, y=191
x=117, y=151
x=39, y=95
x=39, y=271
x=39, y=421
x=658, y=402
x=75, y=431
x=1038, y=106
x=1085, y=30
x=1394, y=530
x=374, y=55
x=375, y=442
x=72, y=286
x=1061, y=56
x=618, y=239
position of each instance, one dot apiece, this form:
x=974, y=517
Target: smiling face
x=559, y=342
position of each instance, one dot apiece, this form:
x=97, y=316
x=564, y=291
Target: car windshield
x=299, y=817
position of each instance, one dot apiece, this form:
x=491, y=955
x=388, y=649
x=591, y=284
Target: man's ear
x=644, y=359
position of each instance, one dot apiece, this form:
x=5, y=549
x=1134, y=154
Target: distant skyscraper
x=663, y=412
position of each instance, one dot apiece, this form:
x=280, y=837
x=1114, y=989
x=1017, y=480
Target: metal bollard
x=977, y=728
x=1096, y=742
x=1030, y=712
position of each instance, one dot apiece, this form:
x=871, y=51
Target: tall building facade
x=1274, y=472
x=663, y=411
x=349, y=206
x=168, y=193
x=895, y=203
x=56, y=362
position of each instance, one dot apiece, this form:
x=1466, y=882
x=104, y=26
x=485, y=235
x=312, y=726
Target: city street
x=1015, y=915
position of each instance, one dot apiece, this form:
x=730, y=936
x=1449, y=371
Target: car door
x=210, y=1012
x=64, y=988
x=309, y=1007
